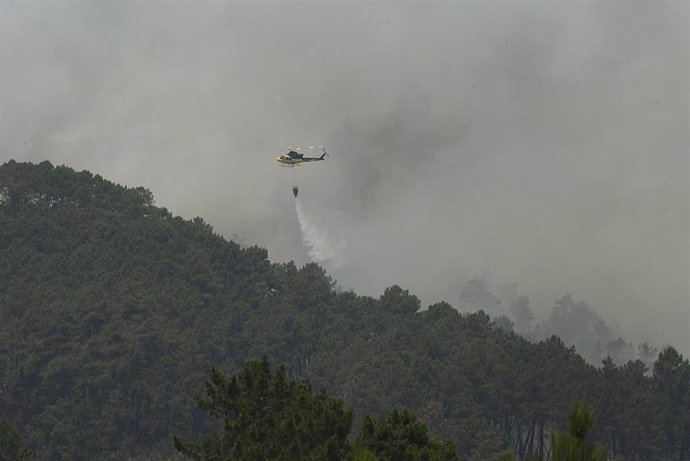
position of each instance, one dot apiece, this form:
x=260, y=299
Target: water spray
x=314, y=237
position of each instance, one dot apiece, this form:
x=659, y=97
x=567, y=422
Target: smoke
x=545, y=142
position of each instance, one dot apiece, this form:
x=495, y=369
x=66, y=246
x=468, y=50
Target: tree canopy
x=572, y=445
x=12, y=446
x=113, y=312
x=400, y=436
x=268, y=416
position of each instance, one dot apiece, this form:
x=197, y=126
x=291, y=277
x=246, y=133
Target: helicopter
x=294, y=158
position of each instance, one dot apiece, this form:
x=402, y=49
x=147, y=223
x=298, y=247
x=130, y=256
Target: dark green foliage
x=672, y=384
x=267, y=416
x=504, y=323
x=399, y=301
x=113, y=312
x=572, y=446
x=12, y=446
x=399, y=436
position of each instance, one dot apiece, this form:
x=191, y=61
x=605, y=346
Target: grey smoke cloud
x=546, y=142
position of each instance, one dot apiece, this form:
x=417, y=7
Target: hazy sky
x=545, y=142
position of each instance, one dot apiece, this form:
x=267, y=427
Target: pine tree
x=267, y=416
x=11, y=444
x=572, y=446
x=399, y=436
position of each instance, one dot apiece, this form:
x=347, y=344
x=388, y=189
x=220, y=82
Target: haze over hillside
x=545, y=143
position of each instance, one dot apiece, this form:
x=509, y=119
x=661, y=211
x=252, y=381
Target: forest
x=114, y=312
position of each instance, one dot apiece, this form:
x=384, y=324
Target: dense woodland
x=113, y=312
x=268, y=416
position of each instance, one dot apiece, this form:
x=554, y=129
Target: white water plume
x=315, y=238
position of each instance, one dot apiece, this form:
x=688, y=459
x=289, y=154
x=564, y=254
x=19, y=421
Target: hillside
x=113, y=311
